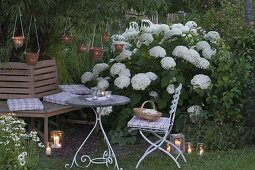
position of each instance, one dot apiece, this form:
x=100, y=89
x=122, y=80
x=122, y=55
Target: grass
x=242, y=159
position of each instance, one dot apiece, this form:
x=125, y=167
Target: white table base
x=108, y=156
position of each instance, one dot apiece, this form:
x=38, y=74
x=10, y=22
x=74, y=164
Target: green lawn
x=243, y=159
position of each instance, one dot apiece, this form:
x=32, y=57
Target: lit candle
x=102, y=93
x=48, y=150
x=168, y=149
x=189, y=149
x=201, y=152
x=56, y=140
x=177, y=143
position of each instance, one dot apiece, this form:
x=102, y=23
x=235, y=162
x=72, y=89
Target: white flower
x=103, y=84
x=195, y=109
x=171, y=33
x=21, y=157
x=99, y=78
x=41, y=145
x=125, y=72
x=117, y=37
x=130, y=35
x=213, y=36
x=87, y=76
x=116, y=68
x=159, y=28
x=170, y=89
x=152, y=76
x=172, y=80
x=146, y=39
x=22, y=162
x=201, y=81
x=191, y=24
x=168, y=63
x=208, y=53
x=153, y=94
x=194, y=32
x=203, y=63
x=192, y=56
x=99, y=68
x=184, y=29
x=140, y=81
x=157, y=51
x=122, y=82
x=201, y=45
x=180, y=51
x=178, y=25
x=24, y=153
x=146, y=26
x=104, y=110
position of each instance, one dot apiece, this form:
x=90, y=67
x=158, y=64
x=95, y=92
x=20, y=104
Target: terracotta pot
x=31, y=58
x=119, y=47
x=18, y=41
x=67, y=39
x=105, y=37
x=96, y=53
x=82, y=48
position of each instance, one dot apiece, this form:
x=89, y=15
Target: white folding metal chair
x=161, y=129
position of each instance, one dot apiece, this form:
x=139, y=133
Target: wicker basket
x=139, y=112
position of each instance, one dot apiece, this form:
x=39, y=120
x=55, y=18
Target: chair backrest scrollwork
x=174, y=103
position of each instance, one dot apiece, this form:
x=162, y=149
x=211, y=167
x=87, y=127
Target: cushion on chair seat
x=161, y=124
x=75, y=89
x=59, y=98
x=24, y=104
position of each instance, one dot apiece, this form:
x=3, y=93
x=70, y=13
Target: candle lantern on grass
x=189, y=148
x=179, y=141
x=200, y=149
x=57, y=136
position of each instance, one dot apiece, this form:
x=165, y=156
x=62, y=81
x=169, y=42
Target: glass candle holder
x=57, y=137
x=108, y=94
x=189, y=148
x=168, y=148
x=200, y=149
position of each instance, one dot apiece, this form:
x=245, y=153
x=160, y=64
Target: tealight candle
x=177, y=143
x=48, y=150
x=168, y=149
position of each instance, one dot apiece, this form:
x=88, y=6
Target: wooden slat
x=14, y=90
x=14, y=96
x=45, y=88
x=14, y=78
x=14, y=84
x=44, y=63
x=15, y=65
x=14, y=72
x=44, y=76
x=45, y=70
x=45, y=82
x=40, y=95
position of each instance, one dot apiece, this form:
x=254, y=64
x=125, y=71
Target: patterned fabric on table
x=161, y=124
x=59, y=98
x=75, y=89
x=24, y=104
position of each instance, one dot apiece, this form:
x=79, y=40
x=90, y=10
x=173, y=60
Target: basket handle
x=149, y=101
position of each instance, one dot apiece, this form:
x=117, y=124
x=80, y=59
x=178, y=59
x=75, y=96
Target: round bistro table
x=108, y=156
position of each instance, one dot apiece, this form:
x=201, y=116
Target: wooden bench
x=19, y=80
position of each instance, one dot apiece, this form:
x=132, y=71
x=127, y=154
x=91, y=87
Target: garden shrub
x=18, y=149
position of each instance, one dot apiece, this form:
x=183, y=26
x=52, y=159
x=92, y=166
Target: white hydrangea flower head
x=130, y=35
x=201, y=45
x=99, y=78
x=104, y=110
x=133, y=26
x=192, y=56
x=124, y=55
x=201, y=81
x=213, y=36
x=167, y=63
x=170, y=89
x=146, y=26
x=180, y=51
x=87, y=76
x=153, y=94
x=140, y=81
x=171, y=33
x=152, y=76
x=194, y=32
x=208, y=53
x=122, y=82
x=103, y=84
x=178, y=25
x=125, y=72
x=191, y=24
x=184, y=29
x=159, y=29
x=116, y=68
x=145, y=38
x=157, y=51
x=203, y=63
x=195, y=109
x=117, y=37
x=99, y=68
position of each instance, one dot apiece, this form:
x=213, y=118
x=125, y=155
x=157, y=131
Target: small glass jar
x=200, y=149
x=189, y=147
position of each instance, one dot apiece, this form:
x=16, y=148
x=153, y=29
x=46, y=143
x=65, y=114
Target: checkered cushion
x=24, y=104
x=75, y=89
x=59, y=98
x=161, y=124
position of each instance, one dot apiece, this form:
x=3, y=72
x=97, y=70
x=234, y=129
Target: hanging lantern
x=178, y=140
x=18, y=41
x=67, y=38
x=56, y=137
x=118, y=47
x=32, y=57
x=105, y=37
x=83, y=48
x=97, y=53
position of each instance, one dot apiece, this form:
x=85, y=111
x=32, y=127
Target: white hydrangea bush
x=156, y=58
